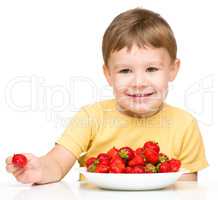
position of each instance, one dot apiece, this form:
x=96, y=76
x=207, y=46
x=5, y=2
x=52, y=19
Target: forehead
x=139, y=56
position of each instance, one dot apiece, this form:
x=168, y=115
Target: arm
x=49, y=168
x=56, y=164
x=189, y=177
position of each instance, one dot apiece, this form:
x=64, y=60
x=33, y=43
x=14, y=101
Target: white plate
x=124, y=181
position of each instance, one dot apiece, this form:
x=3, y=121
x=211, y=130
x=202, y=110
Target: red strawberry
x=152, y=145
x=140, y=151
x=128, y=169
x=93, y=165
x=126, y=153
x=174, y=165
x=103, y=158
x=163, y=157
x=90, y=161
x=117, y=165
x=112, y=153
x=150, y=168
x=151, y=156
x=164, y=167
x=102, y=168
x=19, y=160
x=137, y=160
x=138, y=169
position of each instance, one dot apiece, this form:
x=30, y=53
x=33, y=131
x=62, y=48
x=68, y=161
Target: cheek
x=120, y=83
x=160, y=82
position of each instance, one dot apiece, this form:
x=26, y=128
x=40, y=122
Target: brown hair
x=141, y=27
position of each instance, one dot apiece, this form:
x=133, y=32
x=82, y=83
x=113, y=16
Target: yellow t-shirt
x=98, y=127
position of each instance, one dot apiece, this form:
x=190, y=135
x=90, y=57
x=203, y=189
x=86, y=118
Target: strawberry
x=151, y=156
x=19, y=160
x=93, y=165
x=102, y=168
x=103, y=158
x=152, y=145
x=146, y=159
x=137, y=160
x=174, y=165
x=163, y=157
x=112, y=153
x=117, y=165
x=164, y=167
x=150, y=168
x=128, y=169
x=90, y=161
x=126, y=153
x=138, y=169
x=140, y=151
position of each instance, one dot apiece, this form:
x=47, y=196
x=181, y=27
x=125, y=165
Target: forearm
x=189, y=177
x=50, y=170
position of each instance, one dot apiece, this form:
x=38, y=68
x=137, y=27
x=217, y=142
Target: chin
x=145, y=108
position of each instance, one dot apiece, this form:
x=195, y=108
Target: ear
x=107, y=74
x=174, y=68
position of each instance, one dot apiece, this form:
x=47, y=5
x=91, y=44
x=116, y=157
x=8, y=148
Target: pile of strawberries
x=146, y=159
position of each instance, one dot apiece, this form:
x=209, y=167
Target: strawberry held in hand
x=19, y=160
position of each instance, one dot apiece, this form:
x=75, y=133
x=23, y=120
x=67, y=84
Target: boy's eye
x=151, y=69
x=124, y=71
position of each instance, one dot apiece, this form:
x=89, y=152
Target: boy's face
x=140, y=77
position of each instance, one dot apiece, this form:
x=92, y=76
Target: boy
x=139, y=51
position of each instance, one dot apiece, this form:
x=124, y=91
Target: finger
x=11, y=168
x=19, y=172
x=8, y=160
x=23, y=178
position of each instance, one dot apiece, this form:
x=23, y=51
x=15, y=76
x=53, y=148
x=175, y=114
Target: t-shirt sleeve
x=192, y=154
x=78, y=134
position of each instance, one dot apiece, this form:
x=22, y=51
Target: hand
x=30, y=173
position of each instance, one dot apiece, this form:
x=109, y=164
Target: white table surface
x=82, y=190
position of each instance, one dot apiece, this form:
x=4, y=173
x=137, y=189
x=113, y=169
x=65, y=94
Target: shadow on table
x=179, y=191
x=87, y=191
x=54, y=191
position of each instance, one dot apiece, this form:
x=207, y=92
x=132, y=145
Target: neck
x=138, y=115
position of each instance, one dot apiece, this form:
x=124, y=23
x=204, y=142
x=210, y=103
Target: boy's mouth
x=140, y=95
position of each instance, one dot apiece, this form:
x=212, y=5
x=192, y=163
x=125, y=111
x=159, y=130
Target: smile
x=140, y=95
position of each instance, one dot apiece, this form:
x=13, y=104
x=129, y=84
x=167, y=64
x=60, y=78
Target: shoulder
x=179, y=116
x=99, y=107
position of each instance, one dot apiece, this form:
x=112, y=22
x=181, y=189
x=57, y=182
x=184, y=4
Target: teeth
x=140, y=95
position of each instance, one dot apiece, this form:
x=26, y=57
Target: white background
x=51, y=64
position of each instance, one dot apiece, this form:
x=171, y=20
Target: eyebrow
x=155, y=63
x=120, y=65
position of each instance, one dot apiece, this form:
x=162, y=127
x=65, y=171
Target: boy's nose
x=140, y=81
